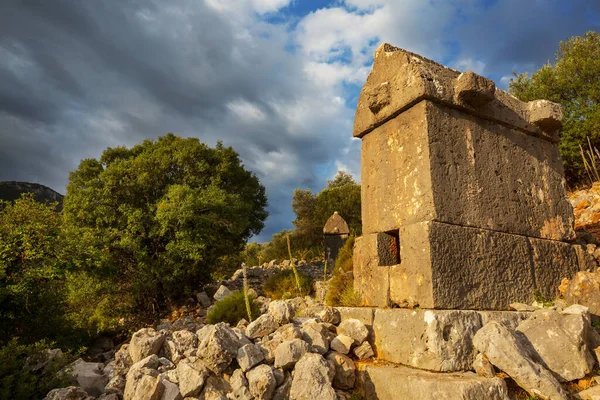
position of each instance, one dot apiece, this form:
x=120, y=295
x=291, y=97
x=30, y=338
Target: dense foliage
x=283, y=285
x=232, y=309
x=341, y=288
x=312, y=211
x=573, y=81
x=18, y=382
x=168, y=211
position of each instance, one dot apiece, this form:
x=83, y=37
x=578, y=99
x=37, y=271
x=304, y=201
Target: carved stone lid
x=400, y=79
x=336, y=225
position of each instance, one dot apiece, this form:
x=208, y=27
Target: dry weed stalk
x=293, y=266
x=246, y=296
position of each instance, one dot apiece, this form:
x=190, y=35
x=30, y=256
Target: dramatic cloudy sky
x=276, y=79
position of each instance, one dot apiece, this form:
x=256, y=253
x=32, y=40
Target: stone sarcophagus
x=463, y=195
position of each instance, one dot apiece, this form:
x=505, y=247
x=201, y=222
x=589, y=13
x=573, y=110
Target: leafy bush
x=19, y=383
x=283, y=285
x=341, y=286
x=232, y=309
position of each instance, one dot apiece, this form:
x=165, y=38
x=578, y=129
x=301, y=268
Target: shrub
x=232, y=309
x=19, y=383
x=341, y=286
x=283, y=285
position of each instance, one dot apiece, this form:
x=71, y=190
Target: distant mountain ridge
x=12, y=190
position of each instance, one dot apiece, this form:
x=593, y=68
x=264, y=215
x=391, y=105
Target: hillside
x=12, y=190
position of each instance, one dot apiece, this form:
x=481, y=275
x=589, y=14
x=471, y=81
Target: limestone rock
x=364, y=351
x=261, y=382
x=483, y=367
x=186, y=342
x=248, y=356
x=316, y=335
x=262, y=326
x=342, y=344
x=90, y=376
x=592, y=393
x=115, y=385
x=203, y=299
x=170, y=350
x=145, y=342
x=392, y=382
x=143, y=383
x=279, y=374
x=584, y=289
x=288, y=332
x=219, y=347
x=512, y=354
x=355, y=329
x=238, y=379
x=170, y=391
x=287, y=354
x=283, y=391
x=312, y=379
x=268, y=348
x=39, y=361
x=215, y=388
x=123, y=360
x=221, y=293
x=330, y=315
x=191, y=374
x=281, y=311
x=68, y=393
x=345, y=371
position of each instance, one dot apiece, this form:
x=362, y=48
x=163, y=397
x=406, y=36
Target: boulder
x=287, y=354
x=584, y=289
x=203, y=299
x=186, y=342
x=123, y=360
x=221, y=293
x=288, y=332
x=170, y=350
x=316, y=335
x=342, y=344
x=238, y=379
x=191, y=374
x=261, y=382
x=268, y=348
x=248, y=356
x=561, y=342
x=218, y=347
x=170, y=391
x=312, y=379
x=89, y=376
x=329, y=314
x=345, y=371
x=143, y=383
x=145, y=342
x=241, y=393
x=281, y=311
x=483, y=367
x=215, y=388
x=355, y=329
x=115, y=385
x=364, y=351
x=283, y=391
x=262, y=326
x=68, y=393
x=511, y=353
x=39, y=361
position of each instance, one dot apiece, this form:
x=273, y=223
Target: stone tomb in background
x=463, y=195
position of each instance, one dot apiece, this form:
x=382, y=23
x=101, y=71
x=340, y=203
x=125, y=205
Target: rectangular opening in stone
x=388, y=248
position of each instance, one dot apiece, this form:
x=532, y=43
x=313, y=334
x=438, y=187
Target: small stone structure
x=335, y=234
x=463, y=194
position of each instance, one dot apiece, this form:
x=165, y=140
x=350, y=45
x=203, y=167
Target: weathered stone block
x=434, y=340
x=446, y=266
x=390, y=382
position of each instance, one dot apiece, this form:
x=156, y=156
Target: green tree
x=341, y=178
x=573, y=81
x=31, y=269
x=168, y=211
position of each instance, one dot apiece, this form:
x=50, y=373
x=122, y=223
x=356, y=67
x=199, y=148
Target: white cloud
x=246, y=111
x=470, y=64
x=241, y=6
